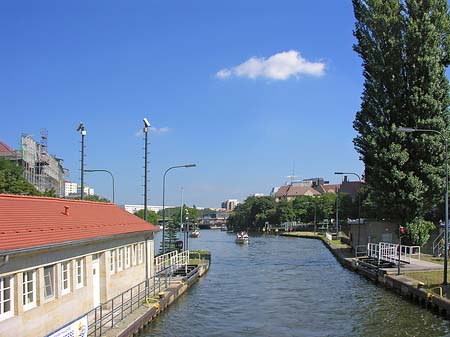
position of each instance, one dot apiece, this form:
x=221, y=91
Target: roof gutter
x=4, y=254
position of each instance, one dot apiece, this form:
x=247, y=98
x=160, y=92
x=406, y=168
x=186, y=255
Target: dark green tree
x=404, y=48
x=152, y=217
x=284, y=211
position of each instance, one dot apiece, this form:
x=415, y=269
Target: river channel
x=280, y=286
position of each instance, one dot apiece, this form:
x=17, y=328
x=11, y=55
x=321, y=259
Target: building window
x=65, y=277
x=134, y=254
x=112, y=264
x=49, y=282
x=141, y=253
x=120, y=259
x=127, y=256
x=29, y=289
x=79, y=272
x=6, y=297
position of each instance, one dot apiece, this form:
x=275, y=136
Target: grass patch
x=431, y=279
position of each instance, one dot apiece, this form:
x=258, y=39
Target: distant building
x=230, y=204
x=41, y=169
x=257, y=195
x=135, y=208
x=60, y=258
x=70, y=188
x=289, y=192
x=315, y=187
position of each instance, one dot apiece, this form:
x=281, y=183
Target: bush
x=419, y=231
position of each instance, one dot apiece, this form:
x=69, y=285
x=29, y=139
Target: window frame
x=29, y=304
x=52, y=284
x=64, y=290
x=127, y=257
x=134, y=257
x=10, y=313
x=79, y=272
x=112, y=261
x=141, y=253
x=120, y=259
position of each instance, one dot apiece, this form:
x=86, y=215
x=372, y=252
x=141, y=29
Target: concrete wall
x=50, y=314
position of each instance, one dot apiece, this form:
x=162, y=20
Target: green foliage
x=95, y=198
x=12, y=180
x=404, y=47
x=152, y=217
x=189, y=214
x=418, y=231
x=284, y=211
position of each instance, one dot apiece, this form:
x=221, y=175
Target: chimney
x=345, y=179
x=66, y=210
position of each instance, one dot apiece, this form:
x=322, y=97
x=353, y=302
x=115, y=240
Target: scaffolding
x=41, y=169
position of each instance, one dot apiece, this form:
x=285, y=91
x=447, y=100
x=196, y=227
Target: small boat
x=195, y=233
x=223, y=228
x=241, y=238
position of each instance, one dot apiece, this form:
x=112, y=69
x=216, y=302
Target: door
x=96, y=279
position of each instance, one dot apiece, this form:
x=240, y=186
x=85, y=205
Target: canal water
x=280, y=286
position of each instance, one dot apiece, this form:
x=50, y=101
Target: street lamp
x=83, y=133
x=112, y=177
x=164, y=193
x=410, y=130
x=146, y=127
x=359, y=208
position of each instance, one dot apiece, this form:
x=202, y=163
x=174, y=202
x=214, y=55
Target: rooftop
x=32, y=222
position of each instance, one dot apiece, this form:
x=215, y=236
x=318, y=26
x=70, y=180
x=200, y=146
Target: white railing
x=172, y=260
x=389, y=252
x=439, y=244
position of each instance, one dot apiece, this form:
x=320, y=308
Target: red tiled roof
x=27, y=222
x=5, y=150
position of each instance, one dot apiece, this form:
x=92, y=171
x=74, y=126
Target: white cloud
x=280, y=66
x=156, y=131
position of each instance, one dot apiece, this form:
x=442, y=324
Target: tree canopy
x=404, y=48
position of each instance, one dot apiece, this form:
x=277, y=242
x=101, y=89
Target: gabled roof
x=331, y=188
x=30, y=222
x=6, y=151
x=293, y=191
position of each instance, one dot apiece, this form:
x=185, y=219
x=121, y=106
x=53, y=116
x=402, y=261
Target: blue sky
x=244, y=89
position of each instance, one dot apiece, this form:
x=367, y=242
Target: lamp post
x=83, y=133
x=359, y=208
x=411, y=130
x=112, y=177
x=146, y=126
x=164, y=209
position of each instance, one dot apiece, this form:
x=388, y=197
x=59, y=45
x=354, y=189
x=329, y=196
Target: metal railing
x=389, y=252
x=106, y=315
x=439, y=244
x=172, y=261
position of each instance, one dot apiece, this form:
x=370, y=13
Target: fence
x=103, y=317
x=172, y=261
x=389, y=252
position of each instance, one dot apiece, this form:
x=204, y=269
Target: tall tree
x=404, y=48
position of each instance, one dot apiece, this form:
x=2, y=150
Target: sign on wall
x=78, y=328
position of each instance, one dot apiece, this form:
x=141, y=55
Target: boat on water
x=223, y=228
x=195, y=233
x=241, y=238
